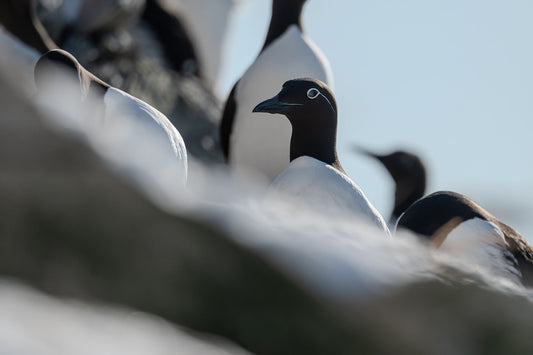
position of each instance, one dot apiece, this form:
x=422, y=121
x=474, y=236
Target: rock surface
x=72, y=228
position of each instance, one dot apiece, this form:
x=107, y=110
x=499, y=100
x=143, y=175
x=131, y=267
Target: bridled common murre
x=315, y=175
x=121, y=122
x=455, y=223
x=262, y=146
x=409, y=175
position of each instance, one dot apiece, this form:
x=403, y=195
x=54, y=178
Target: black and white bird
x=262, y=146
x=454, y=223
x=409, y=175
x=123, y=122
x=315, y=176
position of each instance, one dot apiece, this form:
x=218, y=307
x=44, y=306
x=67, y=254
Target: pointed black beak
x=366, y=152
x=274, y=105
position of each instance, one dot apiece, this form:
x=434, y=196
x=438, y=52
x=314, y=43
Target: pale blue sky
x=452, y=80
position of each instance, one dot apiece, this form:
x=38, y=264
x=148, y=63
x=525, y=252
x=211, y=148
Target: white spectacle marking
x=313, y=93
x=327, y=100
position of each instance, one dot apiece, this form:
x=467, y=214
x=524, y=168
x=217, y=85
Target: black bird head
x=301, y=98
x=311, y=109
x=408, y=173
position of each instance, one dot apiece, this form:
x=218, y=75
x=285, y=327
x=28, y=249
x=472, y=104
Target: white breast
x=260, y=141
x=481, y=244
x=318, y=186
x=143, y=134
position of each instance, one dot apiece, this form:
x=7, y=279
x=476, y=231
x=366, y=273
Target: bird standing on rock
x=455, y=223
x=409, y=175
x=315, y=176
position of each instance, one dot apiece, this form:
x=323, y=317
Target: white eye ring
x=313, y=93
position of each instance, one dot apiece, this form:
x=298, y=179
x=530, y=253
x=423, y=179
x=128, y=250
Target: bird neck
x=405, y=196
x=316, y=142
x=284, y=14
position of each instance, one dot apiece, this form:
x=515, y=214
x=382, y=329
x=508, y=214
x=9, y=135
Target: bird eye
x=313, y=93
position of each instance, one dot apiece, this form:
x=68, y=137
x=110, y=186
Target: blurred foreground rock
x=443, y=319
x=70, y=227
x=32, y=323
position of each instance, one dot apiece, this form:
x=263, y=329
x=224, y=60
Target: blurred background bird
x=145, y=48
x=408, y=173
x=453, y=222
